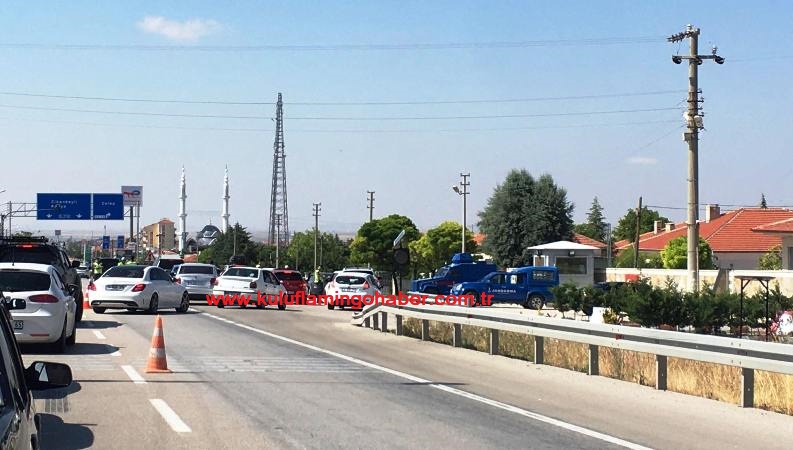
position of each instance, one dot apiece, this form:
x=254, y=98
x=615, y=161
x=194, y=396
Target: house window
x=571, y=265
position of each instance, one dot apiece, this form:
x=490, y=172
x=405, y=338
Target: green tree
x=675, y=254
x=595, y=225
x=763, y=203
x=647, y=260
x=373, y=244
x=223, y=248
x=626, y=227
x=523, y=212
x=772, y=260
x=437, y=246
x=332, y=252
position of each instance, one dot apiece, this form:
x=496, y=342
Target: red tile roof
x=733, y=231
x=586, y=240
x=782, y=226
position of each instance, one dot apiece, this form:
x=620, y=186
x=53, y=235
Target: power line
x=320, y=118
x=352, y=103
x=360, y=130
x=343, y=47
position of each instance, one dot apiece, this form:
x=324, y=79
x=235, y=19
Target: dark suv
x=39, y=250
x=19, y=423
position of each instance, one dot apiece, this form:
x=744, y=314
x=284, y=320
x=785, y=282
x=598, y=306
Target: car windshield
x=288, y=276
x=35, y=254
x=241, y=272
x=23, y=281
x=125, y=272
x=167, y=264
x=203, y=270
x=350, y=279
x=442, y=271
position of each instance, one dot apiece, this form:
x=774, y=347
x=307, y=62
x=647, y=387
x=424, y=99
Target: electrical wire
x=319, y=118
x=344, y=47
x=359, y=103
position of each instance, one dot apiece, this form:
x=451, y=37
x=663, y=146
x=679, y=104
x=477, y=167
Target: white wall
x=658, y=277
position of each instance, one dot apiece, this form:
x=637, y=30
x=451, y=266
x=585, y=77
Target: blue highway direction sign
x=108, y=207
x=63, y=206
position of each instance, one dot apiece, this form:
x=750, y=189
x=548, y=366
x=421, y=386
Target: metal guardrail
x=748, y=355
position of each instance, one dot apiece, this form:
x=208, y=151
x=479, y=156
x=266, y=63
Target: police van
x=462, y=268
x=526, y=286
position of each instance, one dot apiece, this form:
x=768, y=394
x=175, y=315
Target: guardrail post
x=747, y=387
x=425, y=330
x=399, y=331
x=375, y=321
x=457, y=335
x=594, y=368
x=660, y=372
x=493, y=342
x=366, y=322
x=539, y=350
x=384, y=322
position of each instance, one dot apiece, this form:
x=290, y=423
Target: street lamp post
x=462, y=190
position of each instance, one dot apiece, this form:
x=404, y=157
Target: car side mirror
x=14, y=303
x=75, y=264
x=48, y=375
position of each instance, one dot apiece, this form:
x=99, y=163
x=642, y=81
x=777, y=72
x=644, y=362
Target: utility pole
x=609, y=249
x=277, y=240
x=316, y=231
x=464, y=193
x=370, y=206
x=638, y=234
x=693, y=118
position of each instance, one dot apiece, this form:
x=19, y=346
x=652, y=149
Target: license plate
x=19, y=324
x=347, y=290
x=114, y=287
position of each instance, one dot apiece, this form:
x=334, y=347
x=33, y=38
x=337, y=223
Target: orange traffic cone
x=86, y=303
x=157, y=362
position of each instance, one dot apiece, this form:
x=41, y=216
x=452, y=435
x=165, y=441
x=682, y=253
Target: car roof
x=353, y=272
x=28, y=266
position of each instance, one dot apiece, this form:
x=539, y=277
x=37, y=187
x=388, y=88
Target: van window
x=517, y=278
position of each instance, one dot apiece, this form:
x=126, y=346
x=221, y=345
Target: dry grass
x=773, y=391
x=627, y=365
x=566, y=354
x=714, y=381
x=516, y=345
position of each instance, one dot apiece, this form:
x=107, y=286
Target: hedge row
x=652, y=306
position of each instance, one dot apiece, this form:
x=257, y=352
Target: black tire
x=475, y=301
x=534, y=302
x=281, y=306
x=78, y=317
x=59, y=346
x=132, y=310
x=331, y=305
x=154, y=303
x=184, y=305
x=71, y=340
x=99, y=309
x=431, y=291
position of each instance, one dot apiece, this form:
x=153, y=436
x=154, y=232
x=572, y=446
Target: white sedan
x=197, y=278
x=48, y=317
x=249, y=281
x=134, y=287
x=346, y=284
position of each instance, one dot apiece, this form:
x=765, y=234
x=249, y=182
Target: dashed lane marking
x=99, y=334
x=133, y=374
x=170, y=416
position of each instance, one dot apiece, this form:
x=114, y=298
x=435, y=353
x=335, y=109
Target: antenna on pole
x=278, y=202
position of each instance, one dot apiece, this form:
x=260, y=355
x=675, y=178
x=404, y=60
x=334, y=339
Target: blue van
x=462, y=268
x=529, y=287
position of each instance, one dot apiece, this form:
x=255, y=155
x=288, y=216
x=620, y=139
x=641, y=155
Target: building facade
x=159, y=235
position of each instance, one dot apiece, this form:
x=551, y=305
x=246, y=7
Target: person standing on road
x=97, y=269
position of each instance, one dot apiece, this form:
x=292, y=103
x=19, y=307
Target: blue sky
x=614, y=156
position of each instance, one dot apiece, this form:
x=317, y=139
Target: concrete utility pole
x=182, y=213
x=370, y=206
x=224, y=214
x=464, y=193
x=638, y=234
x=316, y=231
x=693, y=119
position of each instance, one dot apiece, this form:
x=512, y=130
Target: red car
x=292, y=280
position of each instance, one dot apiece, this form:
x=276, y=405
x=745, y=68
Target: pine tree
x=595, y=225
x=763, y=203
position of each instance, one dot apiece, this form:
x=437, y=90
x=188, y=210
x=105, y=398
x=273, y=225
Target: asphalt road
x=306, y=378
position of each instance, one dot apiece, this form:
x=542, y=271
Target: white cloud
x=189, y=30
x=642, y=160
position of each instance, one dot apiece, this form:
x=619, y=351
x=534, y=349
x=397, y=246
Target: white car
x=50, y=308
x=197, y=278
x=134, y=287
x=346, y=284
x=249, y=281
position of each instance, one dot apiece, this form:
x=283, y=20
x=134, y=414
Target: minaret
x=225, y=214
x=182, y=214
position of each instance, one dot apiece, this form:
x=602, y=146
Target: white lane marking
x=99, y=334
x=116, y=353
x=133, y=375
x=478, y=398
x=170, y=416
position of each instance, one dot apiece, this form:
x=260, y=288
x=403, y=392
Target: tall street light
x=462, y=190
